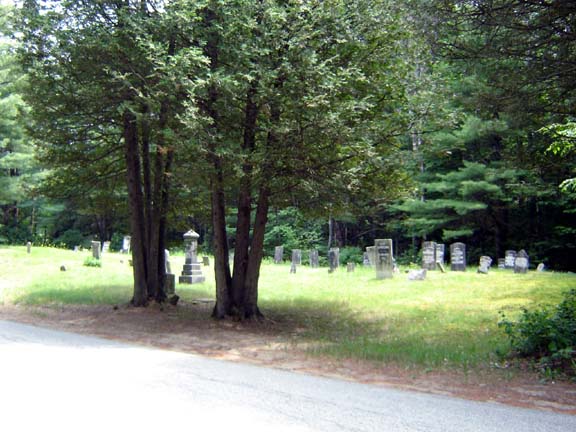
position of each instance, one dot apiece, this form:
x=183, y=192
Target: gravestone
x=314, y=258
x=458, y=257
x=292, y=267
x=509, y=258
x=105, y=246
x=501, y=263
x=126, y=244
x=96, y=249
x=336, y=256
x=429, y=255
x=278, y=254
x=350, y=267
x=297, y=256
x=365, y=260
x=417, y=274
x=384, y=258
x=484, y=265
x=28, y=247
x=206, y=261
x=440, y=253
x=170, y=283
x=522, y=262
x=371, y=252
x=192, y=270
x=541, y=267
x=332, y=260
x=167, y=261
x=76, y=248
x=62, y=267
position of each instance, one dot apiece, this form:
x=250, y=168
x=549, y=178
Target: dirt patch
x=188, y=328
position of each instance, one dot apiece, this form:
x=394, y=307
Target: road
x=51, y=380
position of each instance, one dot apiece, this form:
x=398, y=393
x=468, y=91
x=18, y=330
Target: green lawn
x=449, y=320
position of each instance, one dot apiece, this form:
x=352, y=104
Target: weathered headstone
x=371, y=252
x=278, y=254
x=384, y=258
x=484, y=265
x=336, y=256
x=292, y=267
x=366, y=260
x=297, y=256
x=167, y=261
x=192, y=271
x=509, y=258
x=96, y=249
x=541, y=267
x=28, y=247
x=350, y=267
x=206, y=261
x=417, y=274
x=458, y=257
x=429, y=255
x=105, y=246
x=76, y=248
x=170, y=283
x=440, y=253
x=314, y=258
x=441, y=266
x=501, y=263
x=522, y=262
x=332, y=260
x=126, y=244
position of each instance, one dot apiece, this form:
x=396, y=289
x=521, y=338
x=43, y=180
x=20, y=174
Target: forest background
x=464, y=130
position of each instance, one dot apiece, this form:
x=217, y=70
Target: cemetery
x=235, y=166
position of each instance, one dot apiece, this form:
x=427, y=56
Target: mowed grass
x=449, y=320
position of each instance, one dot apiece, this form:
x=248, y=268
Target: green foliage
x=290, y=228
x=70, y=238
x=351, y=254
x=92, y=262
x=547, y=335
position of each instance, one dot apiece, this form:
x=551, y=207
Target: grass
x=449, y=320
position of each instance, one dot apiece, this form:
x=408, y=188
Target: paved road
x=53, y=380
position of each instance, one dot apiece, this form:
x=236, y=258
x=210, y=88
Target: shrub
x=547, y=335
x=92, y=262
x=351, y=254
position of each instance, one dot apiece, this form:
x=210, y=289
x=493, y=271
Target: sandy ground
x=187, y=328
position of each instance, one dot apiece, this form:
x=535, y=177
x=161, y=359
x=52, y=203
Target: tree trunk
x=244, y=212
x=256, y=254
x=136, y=204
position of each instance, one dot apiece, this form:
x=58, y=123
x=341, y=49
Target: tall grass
x=448, y=320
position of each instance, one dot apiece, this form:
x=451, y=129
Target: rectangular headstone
x=314, y=258
x=167, y=261
x=126, y=244
x=297, y=256
x=501, y=263
x=484, y=265
x=206, y=261
x=429, y=255
x=170, y=283
x=384, y=258
x=105, y=246
x=440, y=253
x=350, y=267
x=28, y=247
x=366, y=260
x=522, y=262
x=96, y=249
x=541, y=267
x=336, y=256
x=458, y=257
x=371, y=252
x=332, y=260
x=509, y=258
x=278, y=254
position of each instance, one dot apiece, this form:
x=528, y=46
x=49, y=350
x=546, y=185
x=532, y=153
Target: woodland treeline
x=303, y=123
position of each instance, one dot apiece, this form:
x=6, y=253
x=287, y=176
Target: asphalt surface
x=51, y=380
